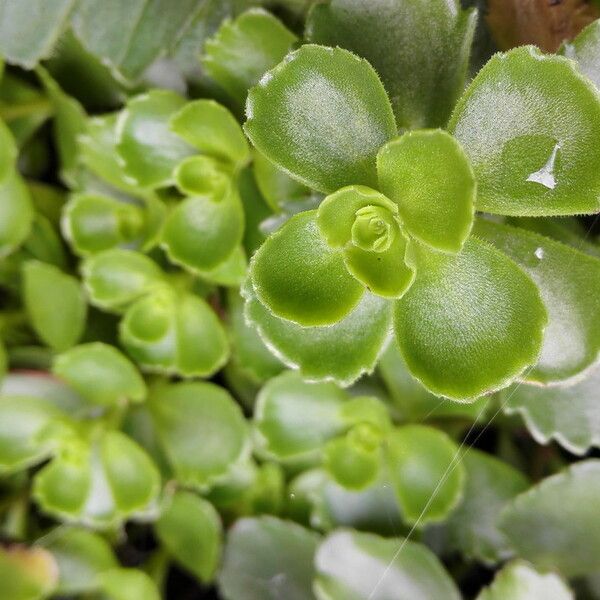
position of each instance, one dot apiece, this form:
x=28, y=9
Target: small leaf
x=569, y=284
x=145, y=143
x=341, y=352
x=212, y=129
x=99, y=482
x=420, y=50
x=55, y=304
x=490, y=484
x=190, y=529
x=26, y=573
x=471, y=323
x=567, y=414
x=322, y=115
x=80, y=556
x=529, y=124
x=425, y=473
x=171, y=333
x=554, y=524
x=184, y=413
x=204, y=231
x=584, y=51
x=519, y=581
x=242, y=50
x=127, y=584
x=16, y=212
x=268, y=555
x=201, y=175
x=398, y=569
x=113, y=279
x=101, y=374
x=428, y=175
x=8, y=151
x=230, y=273
x=300, y=278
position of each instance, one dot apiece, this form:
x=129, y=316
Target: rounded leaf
x=8, y=151
x=100, y=373
x=471, y=323
x=529, y=123
x=27, y=573
x=127, y=584
x=16, y=212
x=300, y=278
x=430, y=178
x=321, y=114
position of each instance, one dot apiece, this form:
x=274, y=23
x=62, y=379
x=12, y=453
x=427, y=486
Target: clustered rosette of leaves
x=296, y=306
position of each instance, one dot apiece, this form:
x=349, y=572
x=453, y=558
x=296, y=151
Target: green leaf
x=113, y=279
x=428, y=175
x=204, y=231
x=55, y=304
x=470, y=323
x=566, y=414
x=145, y=142
x=243, y=49
x=569, y=284
x=170, y=333
x=23, y=418
x=201, y=175
x=101, y=374
x=584, y=51
x=265, y=555
x=425, y=473
x=16, y=211
x=30, y=28
x=44, y=243
x=80, y=556
x=322, y=115
x=230, y=273
x=490, y=484
x=298, y=277
x=130, y=36
x=26, y=573
x=554, y=524
x=212, y=129
x=397, y=569
x=529, y=124
x=342, y=352
x=94, y=222
x=127, y=584
x=8, y=151
x=519, y=581
x=190, y=529
x=98, y=481
x=420, y=50
x=184, y=413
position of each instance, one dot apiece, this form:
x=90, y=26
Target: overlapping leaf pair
x=396, y=224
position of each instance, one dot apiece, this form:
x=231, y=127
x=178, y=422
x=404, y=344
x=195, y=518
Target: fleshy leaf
x=80, y=556
x=242, y=50
x=322, y=114
x=569, y=284
x=300, y=278
x=420, y=50
x=168, y=333
x=471, y=323
x=113, y=279
x=341, y=352
x=101, y=374
x=555, y=525
x=584, y=51
x=266, y=554
x=212, y=129
x=27, y=573
x=529, y=124
x=567, y=414
x=203, y=232
x=145, y=143
x=127, y=584
x=16, y=211
x=520, y=581
x=490, y=484
x=99, y=482
x=428, y=175
x=184, y=413
x=190, y=529
x=398, y=569
x=425, y=473
x=55, y=304
x=8, y=151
